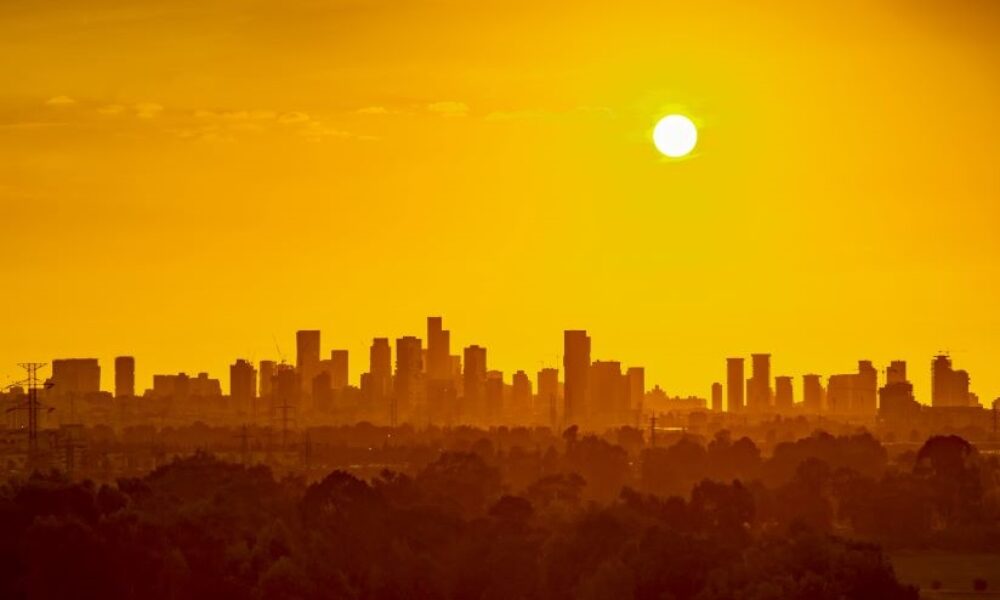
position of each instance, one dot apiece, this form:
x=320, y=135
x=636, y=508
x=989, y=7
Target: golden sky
x=186, y=180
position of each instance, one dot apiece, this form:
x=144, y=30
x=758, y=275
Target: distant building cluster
x=422, y=381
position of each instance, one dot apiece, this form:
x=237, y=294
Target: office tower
x=548, y=396
x=734, y=384
x=380, y=368
x=948, y=386
x=339, y=374
x=75, y=377
x=494, y=397
x=865, y=397
x=635, y=390
x=576, y=366
x=285, y=390
x=896, y=403
x=406, y=383
x=438, y=350
x=124, y=377
x=520, y=399
x=266, y=375
x=243, y=386
x=895, y=372
x=606, y=390
x=717, y=397
x=783, y=396
x=306, y=357
x=812, y=394
x=474, y=384
x=759, y=389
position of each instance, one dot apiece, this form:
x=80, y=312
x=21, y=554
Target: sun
x=675, y=136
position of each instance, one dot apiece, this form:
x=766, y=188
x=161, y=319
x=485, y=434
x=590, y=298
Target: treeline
x=589, y=520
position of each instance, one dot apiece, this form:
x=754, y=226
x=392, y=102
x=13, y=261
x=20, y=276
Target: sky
x=191, y=181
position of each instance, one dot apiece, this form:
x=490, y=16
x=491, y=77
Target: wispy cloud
x=147, y=110
x=60, y=101
x=374, y=110
x=449, y=108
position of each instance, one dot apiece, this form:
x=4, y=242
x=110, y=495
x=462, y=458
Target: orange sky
x=184, y=180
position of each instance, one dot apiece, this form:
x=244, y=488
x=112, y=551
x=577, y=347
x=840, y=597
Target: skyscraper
x=406, y=383
x=635, y=390
x=243, y=386
x=717, y=397
x=606, y=390
x=266, y=376
x=734, y=384
x=494, y=397
x=812, y=394
x=380, y=369
x=548, y=395
x=75, y=377
x=759, y=389
x=474, y=384
x=124, y=376
x=438, y=350
x=307, y=357
x=784, y=399
x=339, y=374
x=520, y=399
x=948, y=386
x=576, y=366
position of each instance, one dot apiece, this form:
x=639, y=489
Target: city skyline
x=761, y=388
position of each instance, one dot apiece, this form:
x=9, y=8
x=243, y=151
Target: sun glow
x=675, y=136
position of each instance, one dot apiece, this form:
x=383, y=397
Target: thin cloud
x=449, y=108
x=147, y=110
x=111, y=109
x=373, y=110
x=60, y=101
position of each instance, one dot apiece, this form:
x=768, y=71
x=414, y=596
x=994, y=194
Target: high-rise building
x=635, y=390
x=339, y=374
x=474, y=384
x=307, y=357
x=854, y=394
x=266, y=376
x=494, y=397
x=75, y=377
x=406, y=382
x=896, y=403
x=520, y=399
x=895, y=372
x=380, y=370
x=717, y=397
x=124, y=376
x=784, y=399
x=576, y=366
x=606, y=390
x=812, y=394
x=438, y=350
x=734, y=384
x=548, y=396
x=759, y=388
x=243, y=386
x=948, y=386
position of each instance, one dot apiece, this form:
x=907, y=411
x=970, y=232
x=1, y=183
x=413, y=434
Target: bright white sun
x=675, y=136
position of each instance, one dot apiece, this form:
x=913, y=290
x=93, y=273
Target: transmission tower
x=32, y=405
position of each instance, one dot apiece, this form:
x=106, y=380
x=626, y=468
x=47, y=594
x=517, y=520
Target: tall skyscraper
x=307, y=357
x=759, y=389
x=124, y=377
x=784, y=399
x=635, y=390
x=717, y=397
x=380, y=372
x=438, y=350
x=266, y=375
x=243, y=386
x=606, y=390
x=494, y=397
x=406, y=382
x=576, y=366
x=812, y=394
x=520, y=399
x=548, y=396
x=895, y=372
x=948, y=386
x=339, y=374
x=474, y=384
x=865, y=398
x=734, y=384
